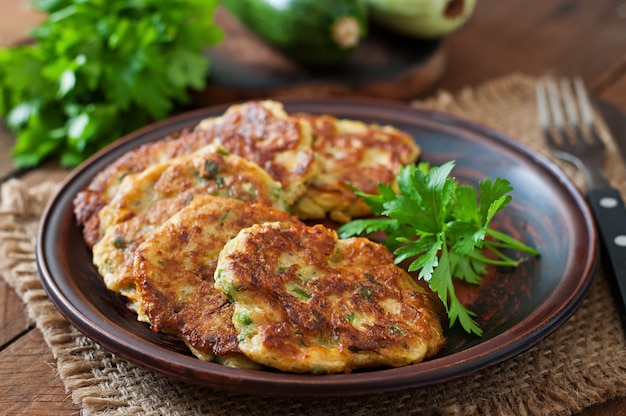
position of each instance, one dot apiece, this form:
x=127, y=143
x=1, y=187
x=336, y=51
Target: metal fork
x=567, y=120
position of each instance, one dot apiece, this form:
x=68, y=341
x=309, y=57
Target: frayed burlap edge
x=582, y=363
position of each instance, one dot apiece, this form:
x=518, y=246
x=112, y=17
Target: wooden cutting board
x=384, y=65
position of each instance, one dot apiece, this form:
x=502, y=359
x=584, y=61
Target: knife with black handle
x=610, y=216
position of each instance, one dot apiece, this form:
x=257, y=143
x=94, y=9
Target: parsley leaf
x=98, y=69
x=443, y=228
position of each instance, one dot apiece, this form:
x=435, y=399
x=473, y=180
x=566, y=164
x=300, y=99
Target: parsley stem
x=504, y=260
x=509, y=242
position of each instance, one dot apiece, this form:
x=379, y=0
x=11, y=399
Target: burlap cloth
x=582, y=363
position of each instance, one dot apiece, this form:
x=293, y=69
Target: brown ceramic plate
x=516, y=307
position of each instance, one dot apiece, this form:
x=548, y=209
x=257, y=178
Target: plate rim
x=250, y=381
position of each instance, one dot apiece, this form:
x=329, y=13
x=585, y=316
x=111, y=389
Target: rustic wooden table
x=565, y=37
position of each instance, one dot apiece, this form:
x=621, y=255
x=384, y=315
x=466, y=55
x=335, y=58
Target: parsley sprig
x=443, y=228
x=98, y=69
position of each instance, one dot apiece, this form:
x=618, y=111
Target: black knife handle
x=610, y=215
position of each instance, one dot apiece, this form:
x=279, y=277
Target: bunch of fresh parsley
x=444, y=227
x=98, y=69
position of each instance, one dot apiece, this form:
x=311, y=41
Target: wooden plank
x=616, y=92
x=614, y=112
x=16, y=19
x=6, y=143
x=13, y=320
x=547, y=36
x=28, y=382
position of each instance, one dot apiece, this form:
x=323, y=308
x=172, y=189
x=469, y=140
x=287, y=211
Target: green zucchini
x=421, y=18
x=309, y=32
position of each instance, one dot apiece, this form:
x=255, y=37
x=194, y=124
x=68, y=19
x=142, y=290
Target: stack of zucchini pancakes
x=216, y=236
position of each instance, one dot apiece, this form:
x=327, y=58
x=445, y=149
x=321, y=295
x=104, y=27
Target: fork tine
x=583, y=100
x=577, y=133
x=586, y=112
x=555, y=131
x=544, y=117
x=542, y=107
x=570, y=103
x=555, y=105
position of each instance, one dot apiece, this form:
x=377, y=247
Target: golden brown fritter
x=147, y=199
x=260, y=131
x=265, y=134
x=355, y=153
x=305, y=301
x=103, y=187
x=174, y=270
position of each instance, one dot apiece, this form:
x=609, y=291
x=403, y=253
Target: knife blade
x=615, y=121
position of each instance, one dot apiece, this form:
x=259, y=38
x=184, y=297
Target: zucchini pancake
x=351, y=154
x=147, y=199
x=203, y=232
x=305, y=301
x=174, y=270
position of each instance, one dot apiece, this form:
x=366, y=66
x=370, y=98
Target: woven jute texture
x=581, y=363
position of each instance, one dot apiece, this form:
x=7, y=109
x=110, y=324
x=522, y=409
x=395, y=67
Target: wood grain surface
x=13, y=321
x=29, y=385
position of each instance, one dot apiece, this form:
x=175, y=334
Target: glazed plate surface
x=516, y=307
